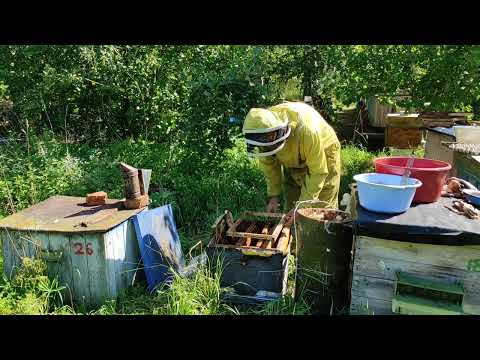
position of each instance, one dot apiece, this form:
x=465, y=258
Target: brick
x=97, y=198
x=137, y=203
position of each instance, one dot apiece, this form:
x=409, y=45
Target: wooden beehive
x=254, y=254
x=92, y=249
x=403, y=138
x=403, y=276
x=378, y=262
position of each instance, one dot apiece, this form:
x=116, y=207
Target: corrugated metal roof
x=67, y=214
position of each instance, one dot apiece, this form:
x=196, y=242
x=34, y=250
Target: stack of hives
x=442, y=119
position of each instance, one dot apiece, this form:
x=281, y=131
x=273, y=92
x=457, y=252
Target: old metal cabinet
x=92, y=250
x=435, y=148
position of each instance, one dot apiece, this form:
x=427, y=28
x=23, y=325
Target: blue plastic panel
x=159, y=244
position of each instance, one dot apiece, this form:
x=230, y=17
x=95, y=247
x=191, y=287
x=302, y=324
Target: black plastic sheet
x=422, y=223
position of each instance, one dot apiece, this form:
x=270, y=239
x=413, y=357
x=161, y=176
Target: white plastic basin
x=383, y=193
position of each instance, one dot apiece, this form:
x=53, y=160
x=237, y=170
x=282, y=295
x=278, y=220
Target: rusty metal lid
x=68, y=214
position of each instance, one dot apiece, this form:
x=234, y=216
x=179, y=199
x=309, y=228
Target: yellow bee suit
x=309, y=164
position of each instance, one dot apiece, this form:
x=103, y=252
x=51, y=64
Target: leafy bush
x=355, y=161
x=31, y=291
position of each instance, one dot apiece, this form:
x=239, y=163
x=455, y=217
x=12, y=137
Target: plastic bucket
x=383, y=193
x=432, y=174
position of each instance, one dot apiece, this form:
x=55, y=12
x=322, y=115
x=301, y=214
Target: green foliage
x=355, y=161
x=30, y=291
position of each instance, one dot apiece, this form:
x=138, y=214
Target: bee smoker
x=136, y=183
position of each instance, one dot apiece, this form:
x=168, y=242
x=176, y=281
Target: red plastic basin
x=432, y=173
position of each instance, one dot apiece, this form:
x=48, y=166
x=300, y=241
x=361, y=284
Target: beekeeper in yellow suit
x=298, y=149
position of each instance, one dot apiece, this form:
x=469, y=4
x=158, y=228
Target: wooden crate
x=94, y=262
x=403, y=138
x=377, y=263
x=254, y=267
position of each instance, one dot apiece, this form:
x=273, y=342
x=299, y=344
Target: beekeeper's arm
x=273, y=175
x=316, y=162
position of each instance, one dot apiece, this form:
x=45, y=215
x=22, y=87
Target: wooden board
x=132, y=256
x=403, y=138
x=63, y=268
x=110, y=264
x=365, y=306
x=457, y=257
x=79, y=269
x=378, y=260
x=97, y=279
x=64, y=214
x=399, y=120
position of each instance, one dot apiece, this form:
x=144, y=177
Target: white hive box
x=92, y=249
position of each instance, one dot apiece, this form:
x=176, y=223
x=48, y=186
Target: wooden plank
x=264, y=231
x=60, y=243
x=250, y=229
x=371, y=287
x=383, y=289
x=63, y=213
x=97, y=279
x=386, y=269
x=16, y=250
x=42, y=252
x=252, y=235
x=232, y=229
x=7, y=252
x=132, y=257
x=365, y=306
x=120, y=233
x=458, y=257
x=284, y=240
x=110, y=264
x=278, y=228
x=80, y=269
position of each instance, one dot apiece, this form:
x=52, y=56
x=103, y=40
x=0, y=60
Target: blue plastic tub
x=383, y=193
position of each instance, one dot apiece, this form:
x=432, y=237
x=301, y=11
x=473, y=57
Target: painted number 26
x=79, y=249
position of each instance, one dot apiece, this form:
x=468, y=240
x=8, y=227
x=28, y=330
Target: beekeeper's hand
x=273, y=204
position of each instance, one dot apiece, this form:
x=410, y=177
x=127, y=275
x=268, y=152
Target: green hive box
x=468, y=167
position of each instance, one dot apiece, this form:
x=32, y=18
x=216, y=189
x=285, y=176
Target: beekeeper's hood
x=265, y=133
